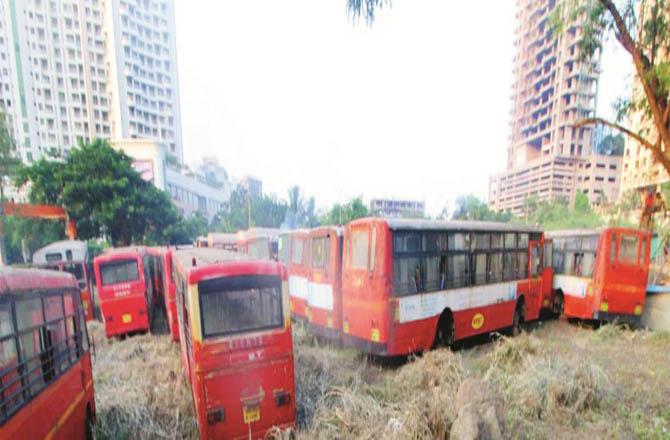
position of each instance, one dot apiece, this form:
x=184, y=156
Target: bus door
x=535, y=272
x=548, y=274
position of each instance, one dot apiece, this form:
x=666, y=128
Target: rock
x=480, y=412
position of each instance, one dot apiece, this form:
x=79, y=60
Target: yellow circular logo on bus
x=477, y=321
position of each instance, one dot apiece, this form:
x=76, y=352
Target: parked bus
x=236, y=343
x=127, y=290
x=284, y=248
x=298, y=273
x=324, y=291
x=70, y=256
x=259, y=242
x=601, y=274
x=169, y=292
x=408, y=285
x=202, y=241
x=46, y=379
x=222, y=241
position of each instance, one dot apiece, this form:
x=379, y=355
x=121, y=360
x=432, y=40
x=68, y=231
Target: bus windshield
x=119, y=272
x=240, y=304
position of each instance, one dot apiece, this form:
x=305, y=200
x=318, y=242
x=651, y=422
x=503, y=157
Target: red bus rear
x=46, y=380
x=236, y=342
x=324, y=293
x=408, y=285
x=125, y=290
x=601, y=274
x=298, y=274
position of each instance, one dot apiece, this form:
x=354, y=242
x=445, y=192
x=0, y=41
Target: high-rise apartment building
x=75, y=70
x=548, y=157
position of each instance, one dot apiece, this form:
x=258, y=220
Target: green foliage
x=27, y=235
x=365, y=9
x=343, y=213
x=104, y=195
x=9, y=161
x=266, y=211
x=612, y=145
x=469, y=207
x=300, y=213
x=558, y=214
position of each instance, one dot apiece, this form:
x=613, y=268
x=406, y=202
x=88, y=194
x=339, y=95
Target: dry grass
x=140, y=391
x=557, y=381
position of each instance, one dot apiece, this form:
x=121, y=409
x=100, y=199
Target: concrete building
x=397, y=208
x=253, y=185
x=75, y=70
x=547, y=156
x=189, y=191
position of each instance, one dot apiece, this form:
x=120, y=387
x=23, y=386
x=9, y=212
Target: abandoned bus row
x=384, y=286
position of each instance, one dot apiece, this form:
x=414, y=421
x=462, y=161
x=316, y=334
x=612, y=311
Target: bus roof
x=55, y=252
x=16, y=280
x=221, y=237
x=209, y=262
x=320, y=230
x=271, y=233
x=596, y=231
x=456, y=225
x=111, y=254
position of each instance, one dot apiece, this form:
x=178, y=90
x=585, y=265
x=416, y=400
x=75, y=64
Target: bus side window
x=643, y=252
x=373, y=245
x=29, y=321
x=10, y=397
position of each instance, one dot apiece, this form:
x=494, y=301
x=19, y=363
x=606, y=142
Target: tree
x=103, y=194
x=341, y=214
x=612, y=145
x=266, y=211
x=558, y=214
x=642, y=28
x=300, y=214
x=471, y=208
x=9, y=162
x=365, y=9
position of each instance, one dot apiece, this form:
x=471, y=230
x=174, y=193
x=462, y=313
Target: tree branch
x=622, y=31
x=654, y=148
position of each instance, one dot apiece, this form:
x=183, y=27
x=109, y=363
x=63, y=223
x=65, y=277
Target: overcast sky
x=291, y=91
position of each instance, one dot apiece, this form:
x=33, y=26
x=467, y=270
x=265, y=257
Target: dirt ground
x=556, y=380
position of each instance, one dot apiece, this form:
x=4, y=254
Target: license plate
x=126, y=318
x=252, y=414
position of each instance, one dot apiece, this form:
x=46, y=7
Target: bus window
x=480, y=268
x=76, y=269
x=508, y=265
x=283, y=249
x=482, y=242
x=240, y=304
x=628, y=249
x=119, y=272
x=359, y=249
x=510, y=240
x=588, y=261
x=297, y=248
x=495, y=267
x=643, y=252
x=373, y=245
x=613, y=248
x=523, y=241
x=8, y=363
x=434, y=277
x=497, y=240
x=319, y=252
x=522, y=263
x=460, y=242
x=29, y=318
x=435, y=242
x=53, y=308
x=406, y=275
x=406, y=242
x=458, y=270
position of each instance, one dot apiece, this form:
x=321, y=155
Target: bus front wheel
x=557, y=306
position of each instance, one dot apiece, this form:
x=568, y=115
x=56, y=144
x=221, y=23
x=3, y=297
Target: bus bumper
x=633, y=320
x=365, y=345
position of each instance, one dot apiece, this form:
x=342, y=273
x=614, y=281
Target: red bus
x=127, y=290
x=169, y=293
x=324, y=293
x=221, y=241
x=601, y=274
x=408, y=285
x=259, y=242
x=236, y=343
x=298, y=273
x=70, y=256
x=46, y=379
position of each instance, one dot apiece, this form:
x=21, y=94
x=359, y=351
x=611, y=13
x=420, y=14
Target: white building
x=188, y=191
x=74, y=70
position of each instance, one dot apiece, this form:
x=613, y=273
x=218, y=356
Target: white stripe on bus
x=298, y=286
x=427, y=305
x=571, y=285
x=320, y=295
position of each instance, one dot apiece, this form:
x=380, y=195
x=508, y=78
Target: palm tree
x=365, y=9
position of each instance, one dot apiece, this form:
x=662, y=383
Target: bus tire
x=518, y=318
x=557, y=305
x=88, y=426
x=444, y=333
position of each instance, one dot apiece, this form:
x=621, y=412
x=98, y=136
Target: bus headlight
x=638, y=310
x=604, y=307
